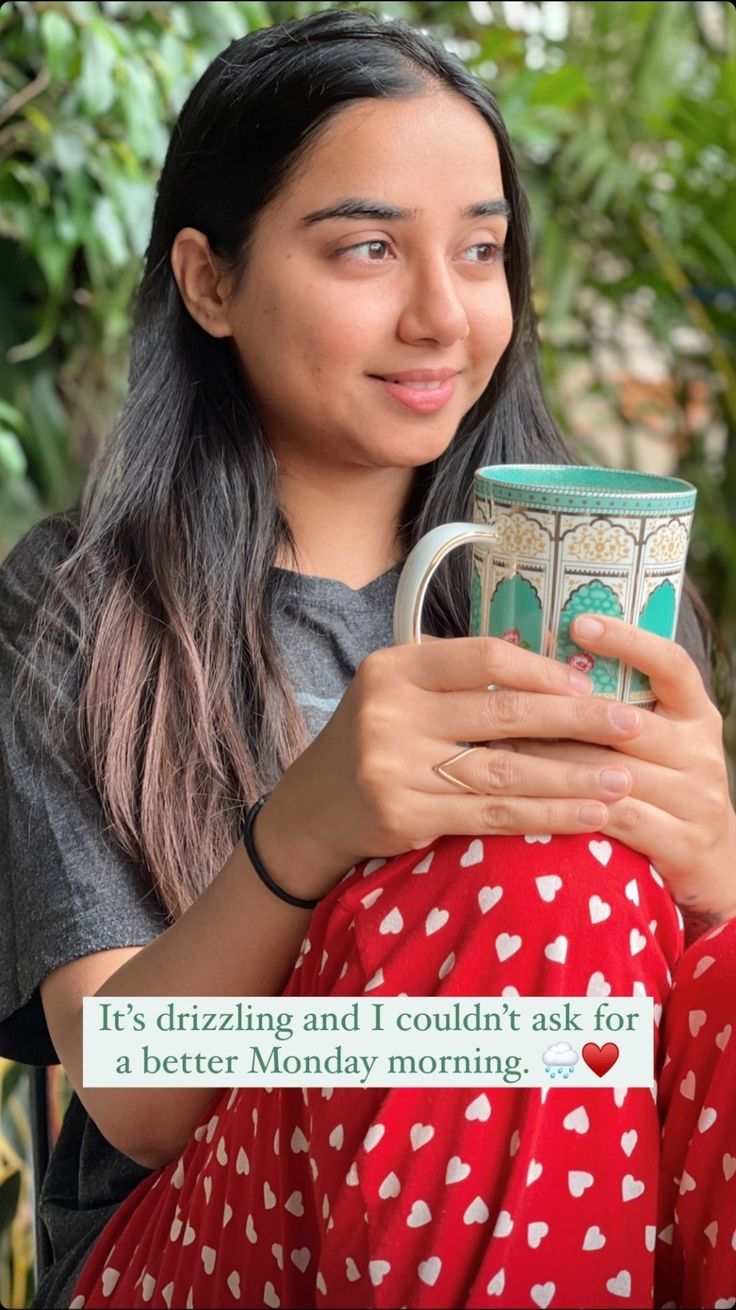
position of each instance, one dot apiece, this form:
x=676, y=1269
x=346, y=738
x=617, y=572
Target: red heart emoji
x=600, y=1058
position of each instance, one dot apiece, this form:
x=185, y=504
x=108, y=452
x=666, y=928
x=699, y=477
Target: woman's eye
x=374, y=250
x=488, y=252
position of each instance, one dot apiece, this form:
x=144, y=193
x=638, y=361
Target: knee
x=567, y=910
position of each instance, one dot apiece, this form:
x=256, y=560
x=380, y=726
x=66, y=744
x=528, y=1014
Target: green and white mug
x=551, y=542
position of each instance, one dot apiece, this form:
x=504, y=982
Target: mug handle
x=419, y=567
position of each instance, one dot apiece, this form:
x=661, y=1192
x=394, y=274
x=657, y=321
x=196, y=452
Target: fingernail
x=594, y=816
x=580, y=682
x=624, y=717
x=614, y=779
x=587, y=627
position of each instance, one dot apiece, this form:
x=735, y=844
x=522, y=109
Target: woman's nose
x=433, y=309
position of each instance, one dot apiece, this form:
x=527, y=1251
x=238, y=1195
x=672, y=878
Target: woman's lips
x=422, y=397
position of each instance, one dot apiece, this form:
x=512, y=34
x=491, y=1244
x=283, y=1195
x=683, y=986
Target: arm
x=237, y=939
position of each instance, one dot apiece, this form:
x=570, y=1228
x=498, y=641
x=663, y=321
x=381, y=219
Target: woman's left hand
x=678, y=811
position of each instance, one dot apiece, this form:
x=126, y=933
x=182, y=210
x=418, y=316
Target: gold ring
x=441, y=769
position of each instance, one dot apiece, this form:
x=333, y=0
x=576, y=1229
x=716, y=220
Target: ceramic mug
x=554, y=541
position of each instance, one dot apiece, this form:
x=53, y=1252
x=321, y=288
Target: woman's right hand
x=365, y=786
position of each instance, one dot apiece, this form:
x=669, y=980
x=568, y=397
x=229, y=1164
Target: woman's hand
x=366, y=785
x=678, y=811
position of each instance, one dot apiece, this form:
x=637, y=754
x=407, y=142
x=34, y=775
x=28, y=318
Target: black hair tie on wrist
x=260, y=868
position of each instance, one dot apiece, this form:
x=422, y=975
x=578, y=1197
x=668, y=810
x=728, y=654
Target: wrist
x=295, y=860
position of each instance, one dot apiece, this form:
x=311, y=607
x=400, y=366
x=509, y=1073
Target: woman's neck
x=348, y=533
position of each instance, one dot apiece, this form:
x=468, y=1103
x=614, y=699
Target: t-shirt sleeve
x=67, y=889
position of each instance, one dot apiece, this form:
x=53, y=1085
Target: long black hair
x=180, y=674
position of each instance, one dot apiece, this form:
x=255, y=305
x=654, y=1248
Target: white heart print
x=497, y=1284
x=599, y=910
x=473, y=855
x=542, y=1294
x=421, y=1134
x=536, y=1233
x=477, y=1212
x=598, y=985
x=480, y=1108
x=270, y=1296
x=393, y=923
x=435, y=920
x=629, y=1140
x=373, y=1136
x=557, y=950
x=548, y=886
x=578, y=1181
x=419, y=1215
x=456, y=1170
x=621, y=1284
x=209, y=1256
x=295, y=1204
x=337, y=1137
x=507, y=945
x=429, y=1270
x=389, y=1187
x=601, y=851
x=504, y=1224
x=577, y=1120
x=377, y=1270
x=488, y=897
x=594, y=1239
x=109, y=1280
x=301, y=1257
x=631, y=1187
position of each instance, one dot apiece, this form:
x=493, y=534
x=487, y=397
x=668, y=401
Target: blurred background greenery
x=624, y=120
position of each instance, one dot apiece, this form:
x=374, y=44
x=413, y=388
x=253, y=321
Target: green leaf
x=70, y=145
x=598, y=157
x=135, y=199
x=96, y=83
x=109, y=232
x=566, y=87
x=40, y=121
x=141, y=109
x=256, y=14
x=32, y=180
x=13, y=463
x=13, y=1077
x=610, y=178
x=47, y=444
x=720, y=249
x=52, y=254
x=60, y=43
x=12, y=416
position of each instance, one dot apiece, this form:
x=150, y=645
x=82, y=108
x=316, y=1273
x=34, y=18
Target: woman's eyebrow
x=354, y=207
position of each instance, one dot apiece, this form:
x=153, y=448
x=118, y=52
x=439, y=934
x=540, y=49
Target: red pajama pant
x=399, y=1197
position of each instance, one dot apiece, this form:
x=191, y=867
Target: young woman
x=339, y=227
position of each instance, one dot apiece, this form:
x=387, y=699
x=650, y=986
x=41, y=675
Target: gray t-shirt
x=67, y=889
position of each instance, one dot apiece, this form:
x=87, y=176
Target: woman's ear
x=201, y=285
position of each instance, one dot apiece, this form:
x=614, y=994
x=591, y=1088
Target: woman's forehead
x=416, y=153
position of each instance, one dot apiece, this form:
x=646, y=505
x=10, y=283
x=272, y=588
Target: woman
x=339, y=207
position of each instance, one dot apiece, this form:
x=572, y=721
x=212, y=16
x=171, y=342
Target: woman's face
x=332, y=302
